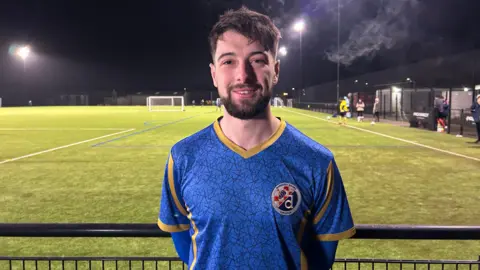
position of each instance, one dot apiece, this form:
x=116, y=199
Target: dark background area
x=133, y=46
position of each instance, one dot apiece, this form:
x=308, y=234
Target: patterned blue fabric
x=265, y=208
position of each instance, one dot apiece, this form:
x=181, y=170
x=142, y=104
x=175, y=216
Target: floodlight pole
x=338, y=50
x=299, y=27
x=301, y=68
x=2, y=65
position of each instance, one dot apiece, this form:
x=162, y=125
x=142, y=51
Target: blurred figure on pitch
x=438, y=111
x=348, y=103
x=218, y=102
x=376, y=111
x=342, y=112
x=476, y=116
x=443, y=114
x=360, y=108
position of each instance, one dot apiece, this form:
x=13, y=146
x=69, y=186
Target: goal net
x=289, y=103
x=165, y=104
x=277, y=102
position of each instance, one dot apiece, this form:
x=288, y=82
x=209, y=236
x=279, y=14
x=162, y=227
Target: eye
x=259, y=62
x=227, y=62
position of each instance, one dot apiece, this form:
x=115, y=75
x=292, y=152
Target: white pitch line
x=58, y=129
x=395, y=138
x=65, y=146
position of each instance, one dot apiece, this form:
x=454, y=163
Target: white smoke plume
x=389, y=27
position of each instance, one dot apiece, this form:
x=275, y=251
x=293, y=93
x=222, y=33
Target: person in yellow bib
x=342, y=112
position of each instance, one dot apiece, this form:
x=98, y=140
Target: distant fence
x=459, y=121
x=403, y=232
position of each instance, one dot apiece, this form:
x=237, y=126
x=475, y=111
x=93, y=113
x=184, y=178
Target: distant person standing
x=342, y=112
x=218, y=103
x=438, y=111
x=348, y=103
x=443, y=115
x=360, y=108
x=476, y=116
x=376, y=111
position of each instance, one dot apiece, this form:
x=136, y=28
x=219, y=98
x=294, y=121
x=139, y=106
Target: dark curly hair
x=251, y=24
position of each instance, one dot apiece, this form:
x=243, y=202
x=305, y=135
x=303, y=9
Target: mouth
x=245, y=92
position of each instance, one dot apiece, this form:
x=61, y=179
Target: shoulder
x=192, y=145
x=307, y=149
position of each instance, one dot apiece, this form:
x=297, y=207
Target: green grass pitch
x=117, y=179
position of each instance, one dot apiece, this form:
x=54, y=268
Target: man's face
x=244, y=74
x=478, y=100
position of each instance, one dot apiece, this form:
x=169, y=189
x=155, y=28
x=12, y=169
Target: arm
x=332, y=217
x=173, y=214
x=182, y=242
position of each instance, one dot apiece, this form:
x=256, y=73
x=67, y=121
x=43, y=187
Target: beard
x=247, y=108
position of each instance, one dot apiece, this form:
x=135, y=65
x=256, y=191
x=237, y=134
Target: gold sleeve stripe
x=301, y=230
x=171, y=183
x=173, y=228
x=303, y=223
x=329, y=193
x=303, y=261
x=337, y=236
x=194, y=241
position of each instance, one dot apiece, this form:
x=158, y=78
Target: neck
x=252, y=132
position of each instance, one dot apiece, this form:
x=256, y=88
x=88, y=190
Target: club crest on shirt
x=286, y=198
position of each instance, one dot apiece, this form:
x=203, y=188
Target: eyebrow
x=225, y=54
x=233, y=54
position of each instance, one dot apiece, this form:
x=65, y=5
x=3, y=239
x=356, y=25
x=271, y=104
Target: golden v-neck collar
x=255, y=150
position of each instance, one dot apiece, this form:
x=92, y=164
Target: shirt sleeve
x=332, y=219
x=173, y=216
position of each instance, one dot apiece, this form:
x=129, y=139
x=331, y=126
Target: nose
x=245, y=73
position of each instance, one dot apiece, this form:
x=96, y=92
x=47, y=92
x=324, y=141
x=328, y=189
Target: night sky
x=136, y=46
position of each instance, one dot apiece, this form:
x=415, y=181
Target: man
x=438, y=111
x=360, y=108
x=342, y=112
x=350, y=104
x=250, y=191
x=476, y=116
x=218, y=102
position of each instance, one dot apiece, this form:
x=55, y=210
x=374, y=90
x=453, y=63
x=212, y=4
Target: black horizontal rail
x=364, y=231
x=176, y=259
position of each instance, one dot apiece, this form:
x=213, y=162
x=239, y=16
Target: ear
x=213, y=73
x=277, y=72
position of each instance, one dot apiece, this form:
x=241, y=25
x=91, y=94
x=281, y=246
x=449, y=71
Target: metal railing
x=364, y=231
x=158, y=263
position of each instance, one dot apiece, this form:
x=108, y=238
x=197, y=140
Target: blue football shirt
x=263, y=208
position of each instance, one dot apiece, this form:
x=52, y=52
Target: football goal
x=165, y=103
x=278, y=102
x=290, y=103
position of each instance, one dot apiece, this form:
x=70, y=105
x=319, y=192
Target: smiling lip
x=245, y=92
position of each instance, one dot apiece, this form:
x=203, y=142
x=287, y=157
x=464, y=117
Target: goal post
x=278, y=102
x=290, y=103
x=166, y=103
